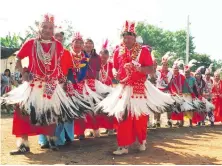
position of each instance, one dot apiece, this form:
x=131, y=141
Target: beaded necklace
x=104, y=73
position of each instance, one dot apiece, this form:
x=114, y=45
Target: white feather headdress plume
x=190, y=64
x=177, y=63
x=168, y=56
x=209, y=69
x=199, y=69
x=218, y=71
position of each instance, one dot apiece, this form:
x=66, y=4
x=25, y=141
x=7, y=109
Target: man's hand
x=115, y=73
x=166, y=80
x=145, y=69
x=25, y=76
x=128, y=65
x=18, y=65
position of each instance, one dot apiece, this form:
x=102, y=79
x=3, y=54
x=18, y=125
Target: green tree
x=12, y=41
x=180, y=44
x=163, y=41
x=69, y=31
x=202, y=60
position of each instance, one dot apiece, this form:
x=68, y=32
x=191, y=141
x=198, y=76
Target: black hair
x=89, y=40
x=7, y=70
x=129, y=34
x=105, y=51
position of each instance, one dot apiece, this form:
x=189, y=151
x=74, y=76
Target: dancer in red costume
x=41, y=97
x=131, y=101
x=163, y=82
x=198, y=117
x=217, y=96
x=106, y=77
x=75, y=66
x=208, y=91
x=176, y=88
x=93, y=86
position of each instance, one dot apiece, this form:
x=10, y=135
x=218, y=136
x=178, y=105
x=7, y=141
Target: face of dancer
x=129, y=40
x=198, y=76
x=165, y=66
x=217, y=77
x=59, y=37
x=187, y=73
x=175, y=71
x=88, y=46
x=207, y=76
x=46, y=30
x=77, y=45
x=104, y=56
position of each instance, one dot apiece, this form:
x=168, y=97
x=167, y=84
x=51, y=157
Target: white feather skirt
x=119, y=103
x=94, y=97
x=59, y=108
x=208, y=106
x=187, y=104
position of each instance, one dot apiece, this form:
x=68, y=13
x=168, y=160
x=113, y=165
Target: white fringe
x=25, y=95
x=209, y=106
x=115, y=105
x=97, y=95
x=187, y=104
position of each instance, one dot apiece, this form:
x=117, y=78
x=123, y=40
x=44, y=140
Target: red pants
x=105, y=121
x=80, y=125
x=94, y=122
x=175, y=116
x=131, y=129
x=22, y=126
x=197, y=117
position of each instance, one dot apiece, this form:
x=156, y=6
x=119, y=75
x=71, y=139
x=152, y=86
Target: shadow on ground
x=165, y=146
x=99, y=151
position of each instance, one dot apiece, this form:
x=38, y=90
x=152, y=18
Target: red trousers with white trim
x=131, y=129
x=80, y=125
x=23, y=127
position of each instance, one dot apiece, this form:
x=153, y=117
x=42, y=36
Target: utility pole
x=188, y=40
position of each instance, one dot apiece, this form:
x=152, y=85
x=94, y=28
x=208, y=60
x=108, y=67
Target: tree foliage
x=12, y=41
x=163, y=41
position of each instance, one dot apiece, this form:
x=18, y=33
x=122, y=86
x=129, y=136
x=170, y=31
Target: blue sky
x=101, y=19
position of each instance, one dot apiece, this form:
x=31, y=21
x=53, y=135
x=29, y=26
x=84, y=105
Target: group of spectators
x=8, y=82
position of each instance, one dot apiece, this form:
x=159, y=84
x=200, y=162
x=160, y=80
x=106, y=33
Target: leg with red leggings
x=140, y=128
x=22, y=128
x=91, y=123
x=125, y=134
x=79, y=128
x=129, y=130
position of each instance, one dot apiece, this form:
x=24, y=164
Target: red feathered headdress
x=77, y=36
x=105, y=44
x=129, y=27
x=190, y=64
x=48, y=18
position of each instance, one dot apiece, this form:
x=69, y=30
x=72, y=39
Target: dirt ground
x=198, y=145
